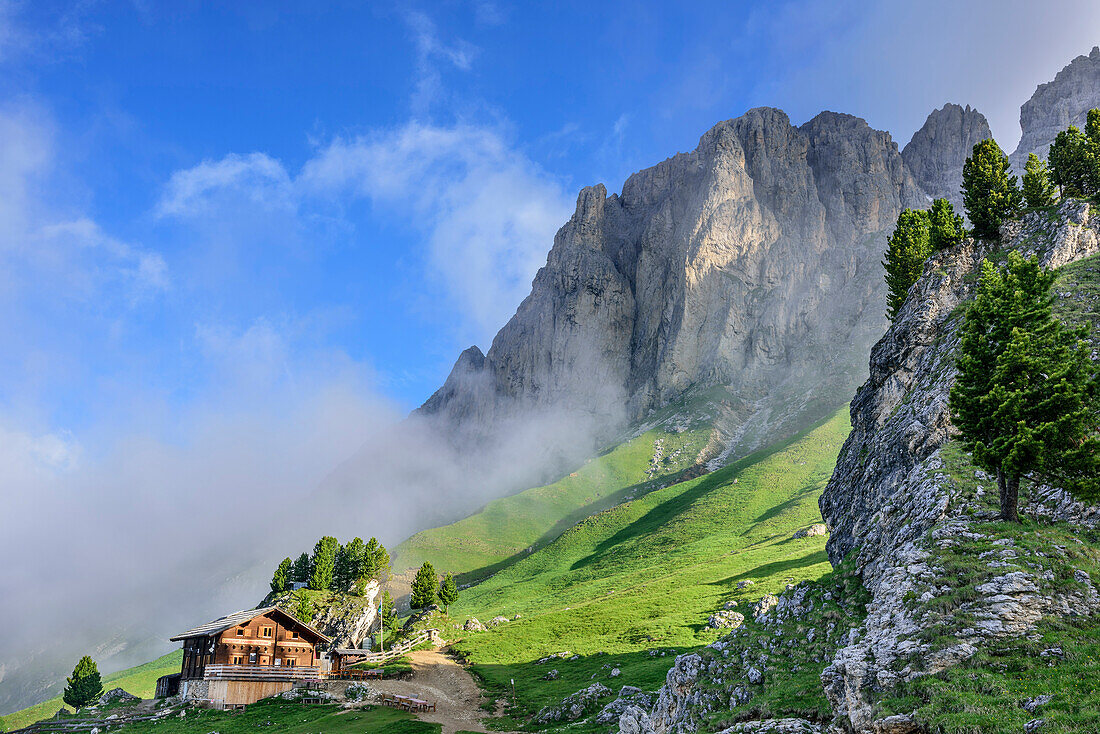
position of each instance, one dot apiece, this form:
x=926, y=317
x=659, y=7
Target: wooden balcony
x=260, y=673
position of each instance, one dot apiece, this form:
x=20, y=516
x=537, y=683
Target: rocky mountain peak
x=750, y=263
x=936, y=153
x=1056, y=105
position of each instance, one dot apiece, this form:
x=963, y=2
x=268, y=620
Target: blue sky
x=239, y=196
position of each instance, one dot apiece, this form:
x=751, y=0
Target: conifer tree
x=1072, y=161
x=448, y=591
x=303, y=606
x=945, y=227
x=1024, y=395
x=990, y=191
x=907, y=249
x=341, y=571
x=1038, y=189
x=301, y=569
x=390, y=621
x=323, y=563
x=85, y=685
x=280, y=580
x=381, y=563
x=349, y=571
x=423, y=587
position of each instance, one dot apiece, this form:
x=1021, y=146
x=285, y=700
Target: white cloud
x=488, y=213
x=485, y=212
x=431, y=52
x=262, y=179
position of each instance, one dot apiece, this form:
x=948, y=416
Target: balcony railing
x=260, y=672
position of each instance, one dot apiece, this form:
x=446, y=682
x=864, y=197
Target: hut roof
x=246, y=615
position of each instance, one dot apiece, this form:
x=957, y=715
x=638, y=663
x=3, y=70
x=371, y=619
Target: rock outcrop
x=891, y=504
x=936, y=153
x=750, y=263
x=345, y=619
x=1056, y=105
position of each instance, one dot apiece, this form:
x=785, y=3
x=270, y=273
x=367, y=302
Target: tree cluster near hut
x=345, y=568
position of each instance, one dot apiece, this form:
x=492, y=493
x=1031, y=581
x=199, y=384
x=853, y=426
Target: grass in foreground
x=630, y=587
x=288, y=717
x=985, y=694
x=140, y=681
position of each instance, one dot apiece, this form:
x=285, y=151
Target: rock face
x=938, y=150
x=346, y=619
x=750, y=263
x=893, y=506
x=1056, y=105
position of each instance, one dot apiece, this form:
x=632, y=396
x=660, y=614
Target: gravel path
x=436, y=677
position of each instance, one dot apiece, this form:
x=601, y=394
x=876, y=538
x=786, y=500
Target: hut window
x=294, y=635
x=267, y=631
x=241, y=632
x=238, y=660
x=290, y=662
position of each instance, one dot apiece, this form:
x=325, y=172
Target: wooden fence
x=260, y=673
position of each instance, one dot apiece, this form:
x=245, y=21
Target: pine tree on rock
x=85, y=685
x=423, y=587
x=280, y=580
x=1039, y=191
x=352, y=570
x=990, y=191
x=1023, y=398
x=300, y=573
x=448, y=591
x=945, y=227
x=1073, y=163
x=303, y=606
x=341, y=571
x=323, y=563
x=907, y=249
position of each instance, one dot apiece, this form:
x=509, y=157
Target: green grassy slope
x=638, y=580
x=502, y=532
x=289, y=717
x=140, y=681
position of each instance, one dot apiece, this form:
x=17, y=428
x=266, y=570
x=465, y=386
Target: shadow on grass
x=768, y=569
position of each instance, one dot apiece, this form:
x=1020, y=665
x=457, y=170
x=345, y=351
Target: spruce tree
x=301, y=569
x=423, y=587
x=945, y=227
x=354, y=555
x=1038, y=189
x=389, y=619
x=369, y=568
x=1023, y=398
x=1072, y=163
x=990, y=191
x=381, y=563
x=907, y=249
x=323, y=563
x=280, y=581
x=85, y=685
x=448, y=591
x=303, y=606
x=341, y=571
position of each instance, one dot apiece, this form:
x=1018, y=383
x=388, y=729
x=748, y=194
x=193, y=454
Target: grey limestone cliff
x=936, y=153
x=1056, y=105
x=750, y=263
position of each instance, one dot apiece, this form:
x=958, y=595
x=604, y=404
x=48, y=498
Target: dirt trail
x=438, y=678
